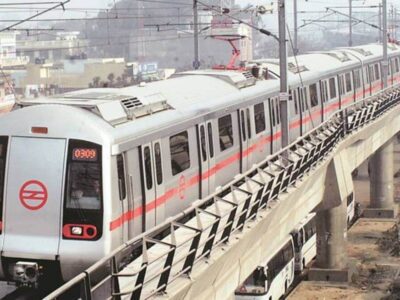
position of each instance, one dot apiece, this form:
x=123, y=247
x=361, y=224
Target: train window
x=210, y=140
x=272, y=110
x=3, y=153
x=396, y=65
x=259, y=117
x=371, y=73
x=157, y=157
x=348, y=82
x=301, y=99
x=225, y=132
x=332, y=88
x=366, y=75
x=121, y=177
x=203, y=143
x=305, y=99
x=277, y=111
x=248, y=123
x=179, y=147
x=377, y=72
x=313, y=95
x=295, y=99
x=322, y=91
x=147, y=167
x=357, y=79
x=341, y=85
x=242, y=125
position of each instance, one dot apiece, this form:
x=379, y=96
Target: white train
x=83, y=172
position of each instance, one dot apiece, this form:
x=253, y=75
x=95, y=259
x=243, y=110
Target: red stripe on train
x=132, y=214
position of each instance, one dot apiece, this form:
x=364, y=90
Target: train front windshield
x=83, y=207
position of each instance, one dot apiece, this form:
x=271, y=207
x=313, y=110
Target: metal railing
x=145, y=266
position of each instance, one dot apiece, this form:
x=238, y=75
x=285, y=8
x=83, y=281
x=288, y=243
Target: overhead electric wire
x=36, y=15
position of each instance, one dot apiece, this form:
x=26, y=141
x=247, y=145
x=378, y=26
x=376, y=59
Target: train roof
x=138, y=110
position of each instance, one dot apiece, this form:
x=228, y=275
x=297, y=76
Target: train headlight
x=77, y=230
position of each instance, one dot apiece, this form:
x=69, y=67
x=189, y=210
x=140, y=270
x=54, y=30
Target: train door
x=206, y=158
x=122, y=191
x=260, y=133
x=153, y=187
x=315, y=106
x=295, y=113
x=367, y=81
x=135, y=195
x=34, y=193
x=275, y=124
x=227, y=147
x=245, y=134
x=358, y=87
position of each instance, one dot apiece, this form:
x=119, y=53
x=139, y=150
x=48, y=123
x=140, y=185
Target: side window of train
x=332, y=88
x=272, y=111
x=248, y=123
x=341, y=85
x=210, y=140
x=147, y=167
x=371, y=73
x=278, y=121
x=396, y=65
x=179, y=148
x=357, y=79
x=348, y=82
x=157, y=156
x=121, y=177
x=225, y=132
x=313, y=95
x=203, y=143
x=377, y=76
x=295, y=99
x=259, y=117
x=367, y=77
x=305, y=99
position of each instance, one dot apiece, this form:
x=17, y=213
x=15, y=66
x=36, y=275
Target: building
x=8, y=51
x=73, y=74
x=65, y=45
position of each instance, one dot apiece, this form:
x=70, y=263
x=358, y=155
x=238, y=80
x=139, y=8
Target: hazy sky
x=269, y=20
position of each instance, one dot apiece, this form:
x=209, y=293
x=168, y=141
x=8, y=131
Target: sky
x=269, y=20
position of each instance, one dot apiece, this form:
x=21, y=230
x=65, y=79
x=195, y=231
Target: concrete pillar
x=331, y=231
x=381, y=180
x=331, y=261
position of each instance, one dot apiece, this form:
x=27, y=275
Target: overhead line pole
x=350, y=23
x=385, y=44
x=380, y=22
x=196, y=62
x=283, y=95
x=296, y=48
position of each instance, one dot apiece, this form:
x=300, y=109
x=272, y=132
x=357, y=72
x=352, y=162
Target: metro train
x=83, y=172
